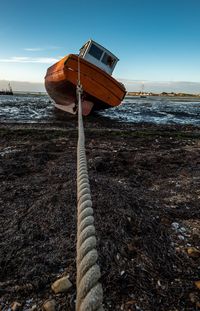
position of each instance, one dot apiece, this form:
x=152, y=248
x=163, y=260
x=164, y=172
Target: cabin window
x=108, y=60
x=95, y=51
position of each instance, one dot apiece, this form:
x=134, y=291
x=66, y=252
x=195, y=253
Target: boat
x=142, y=95
x=94, y=66
x=9, y=91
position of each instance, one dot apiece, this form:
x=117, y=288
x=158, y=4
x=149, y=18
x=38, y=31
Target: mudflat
x=145, y=190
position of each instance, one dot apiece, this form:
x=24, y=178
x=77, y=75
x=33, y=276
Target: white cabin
x=99, y=56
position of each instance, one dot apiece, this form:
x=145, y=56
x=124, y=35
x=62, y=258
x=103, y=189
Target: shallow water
x=156, y=110
x=26, y=108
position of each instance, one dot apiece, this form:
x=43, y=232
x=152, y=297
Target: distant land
x=23, y=86
x=171, y=94
x=131, y=86
x=159, y=87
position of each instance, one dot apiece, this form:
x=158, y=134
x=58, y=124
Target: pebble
x=175, y=225
x=182, y=230
x=16, y=306
x=181, y=237
x=61, y=285
x=197, y=284
x=49, y=305
x=193, y=252
x=194, y=297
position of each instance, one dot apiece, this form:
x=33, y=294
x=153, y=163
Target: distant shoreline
x=137, y=94
x=172, y=94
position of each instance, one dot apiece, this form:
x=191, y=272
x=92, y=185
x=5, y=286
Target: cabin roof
x=100, y=46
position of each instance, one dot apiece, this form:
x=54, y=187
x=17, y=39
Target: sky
x=155, y=40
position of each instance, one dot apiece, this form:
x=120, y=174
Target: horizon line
x=124, y=79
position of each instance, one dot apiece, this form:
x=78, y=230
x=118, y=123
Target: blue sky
x=155, y=40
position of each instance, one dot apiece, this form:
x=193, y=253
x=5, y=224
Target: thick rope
x=89, y=290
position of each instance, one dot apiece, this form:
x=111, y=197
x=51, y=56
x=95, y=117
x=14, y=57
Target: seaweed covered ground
x=145, y=184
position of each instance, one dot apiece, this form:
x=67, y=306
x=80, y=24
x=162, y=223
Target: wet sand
x=145, y=192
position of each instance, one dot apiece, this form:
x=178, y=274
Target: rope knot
x=79, y=90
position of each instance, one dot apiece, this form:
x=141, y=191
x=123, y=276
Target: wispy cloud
x=36, y=49
x=33, y=49
x=22, y=59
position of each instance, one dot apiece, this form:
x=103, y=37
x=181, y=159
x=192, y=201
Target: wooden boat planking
x=101, y=90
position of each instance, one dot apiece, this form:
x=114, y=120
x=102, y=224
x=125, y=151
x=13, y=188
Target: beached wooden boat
x=100, y=89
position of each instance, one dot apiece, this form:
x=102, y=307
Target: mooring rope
x=89, y=290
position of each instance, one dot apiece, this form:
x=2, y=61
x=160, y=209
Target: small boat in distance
x=100, y=89
x=142, y=94
x=7, y=92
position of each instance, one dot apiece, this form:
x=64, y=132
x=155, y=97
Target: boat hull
x=100, y=90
